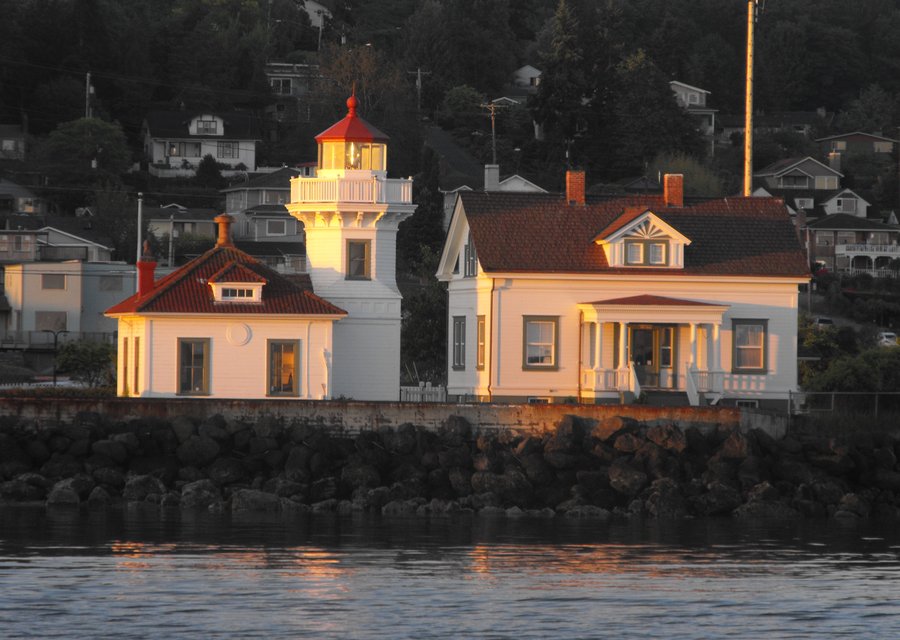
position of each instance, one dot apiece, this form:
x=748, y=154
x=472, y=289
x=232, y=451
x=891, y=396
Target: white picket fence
x=423, y=393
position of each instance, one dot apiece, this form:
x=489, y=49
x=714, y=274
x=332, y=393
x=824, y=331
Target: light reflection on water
x=150, y=574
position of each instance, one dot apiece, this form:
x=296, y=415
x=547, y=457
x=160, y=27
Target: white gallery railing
x=369, y=190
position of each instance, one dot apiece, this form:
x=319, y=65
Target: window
x=693, y=98
x=884, y=147
x=826, y=182
x=184, y=149
x=50, y=320
x=846, y=205
x=227, y=150
x=358, y=260
x=207, y=127
x=480, y=342
x=9, y=145
x=281, y=86
x=234, y=293
x=838, y=145
x=125, y=367
x=749, y=346
x=665, y=347
x=846, y=237
x=747, y=404
x=540, y=336
x=53, y=281
x=276, y=227
x=137, y=361
x=794, y=182
x=459, y=342
x=284, y=368
x=804, y=203
x=193, y=366
x=110, y=283
x=648, y=253
x=471, y=260
x=18, y=243
x=824, y=238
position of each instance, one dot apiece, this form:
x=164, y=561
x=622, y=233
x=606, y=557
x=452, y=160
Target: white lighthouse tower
x=351, y=211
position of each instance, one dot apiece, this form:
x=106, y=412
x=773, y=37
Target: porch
x=652, y=344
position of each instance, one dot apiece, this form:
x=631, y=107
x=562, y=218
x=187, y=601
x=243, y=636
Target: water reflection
x=142, y=572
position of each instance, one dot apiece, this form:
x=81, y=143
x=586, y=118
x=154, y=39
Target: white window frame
x=459, y=343
x=270, y=232
x=197, y=387
x=737, y=347
x=207, y=127
x=540, y=351
x=274, y=358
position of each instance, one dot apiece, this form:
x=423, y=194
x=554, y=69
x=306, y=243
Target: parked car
x=887, y=339
x=822, y=322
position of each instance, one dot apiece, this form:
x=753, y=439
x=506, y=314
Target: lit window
x=643, y=252
x=193, y=366
x=281, y=86
x=540, y=336
x=459, y=342
x=358, y=260
x=235, y=293
x=284, y=368
x=749, y=353
x=838, y=145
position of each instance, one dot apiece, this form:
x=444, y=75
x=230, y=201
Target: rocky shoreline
x=582, y=469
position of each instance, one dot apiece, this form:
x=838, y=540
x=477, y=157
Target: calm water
x=147, y=574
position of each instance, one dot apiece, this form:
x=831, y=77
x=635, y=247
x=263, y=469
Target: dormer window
x=207, y=127
x=646, y=253
x=234, y=293
x=640, y=238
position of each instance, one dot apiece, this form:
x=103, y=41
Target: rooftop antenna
x=492, y=109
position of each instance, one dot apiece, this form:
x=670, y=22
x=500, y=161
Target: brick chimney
x=224, y=221
x=146, y=269
x=575, y=186
x=673, y=189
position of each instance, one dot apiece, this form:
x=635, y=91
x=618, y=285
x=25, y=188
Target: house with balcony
x=598, y=299
x=176, y=141
x=293, y=87
x=15, y=198
x=225, y=325
x=846, y=243
x=693, y=100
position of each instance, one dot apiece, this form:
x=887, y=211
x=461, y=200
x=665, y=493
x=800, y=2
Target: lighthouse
x=351, y=211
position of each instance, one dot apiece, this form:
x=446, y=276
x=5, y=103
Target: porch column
x=693, y=360
x=715, y=361
x=598, y=347
x=623, y=336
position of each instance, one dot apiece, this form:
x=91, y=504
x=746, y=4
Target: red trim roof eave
x=256, y=316
x=647, y=271
x=352, y=128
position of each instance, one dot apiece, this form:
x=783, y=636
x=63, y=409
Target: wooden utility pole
x=748, y=106
x=492, y=109
x=419, y=73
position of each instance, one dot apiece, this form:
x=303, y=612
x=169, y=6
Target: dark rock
x=164, y=467
x=765, y=511
x=360, y=475
x=323, y=489
x=200, y=494
x=400, y=508
x=59, y=443
x=138, y=488
x=115, y=451
x=810, y=508
x=723, y=471
x=886, y=479
x=38, y=451
x=403, y=440
x=183, y=428
x=720, y=499
x=696, y=441
x=460, y=481
x=487, y=462
x=736, y=446
x=511, y=487
x=268, y=427
x=455, y=432
x=852, y=505
x=528, y=446
x=243, y=500
x=668, y=436
x=98, y=498
x=588, y=511
x=763, y=492
x=834, y=465
x=885, y=458
x=789, y=444
x=627, y=443
x=794, y=471
x=325, y=506
x=130, y=440
x=455, y=457
x=560, y=459
x=287, y=488
x=226, y=471
x=60, y=466
x=611, y=426
x=109, y=477
x=262, y=445
x=492, y=511
x=657, y=462
x=568, y=437
x=296, y=467
x=214, y=427
x=625, y=479
x=198, y=451
x=63, y=493
x=827, y=491
x=750, y=472
x=664, y=500
x=190, y=474
x=79, y=448
x=19, y=490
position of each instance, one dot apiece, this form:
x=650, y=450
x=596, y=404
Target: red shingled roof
x=186, y=290
x=528, y=232
x=653, y=301
x=236, y=272
x=352, y=127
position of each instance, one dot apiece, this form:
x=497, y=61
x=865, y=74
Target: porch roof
x=654, y=309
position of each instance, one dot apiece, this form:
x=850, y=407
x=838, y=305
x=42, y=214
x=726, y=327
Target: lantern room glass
x=351, y=154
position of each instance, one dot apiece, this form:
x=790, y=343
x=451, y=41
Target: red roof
x=186, y=290
x=536, y=232
x=352, y=127
x=236, y=272
x=653, y=301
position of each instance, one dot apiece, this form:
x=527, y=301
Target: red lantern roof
x=352, y=127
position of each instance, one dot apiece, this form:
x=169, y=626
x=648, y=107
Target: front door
x=651, y=348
